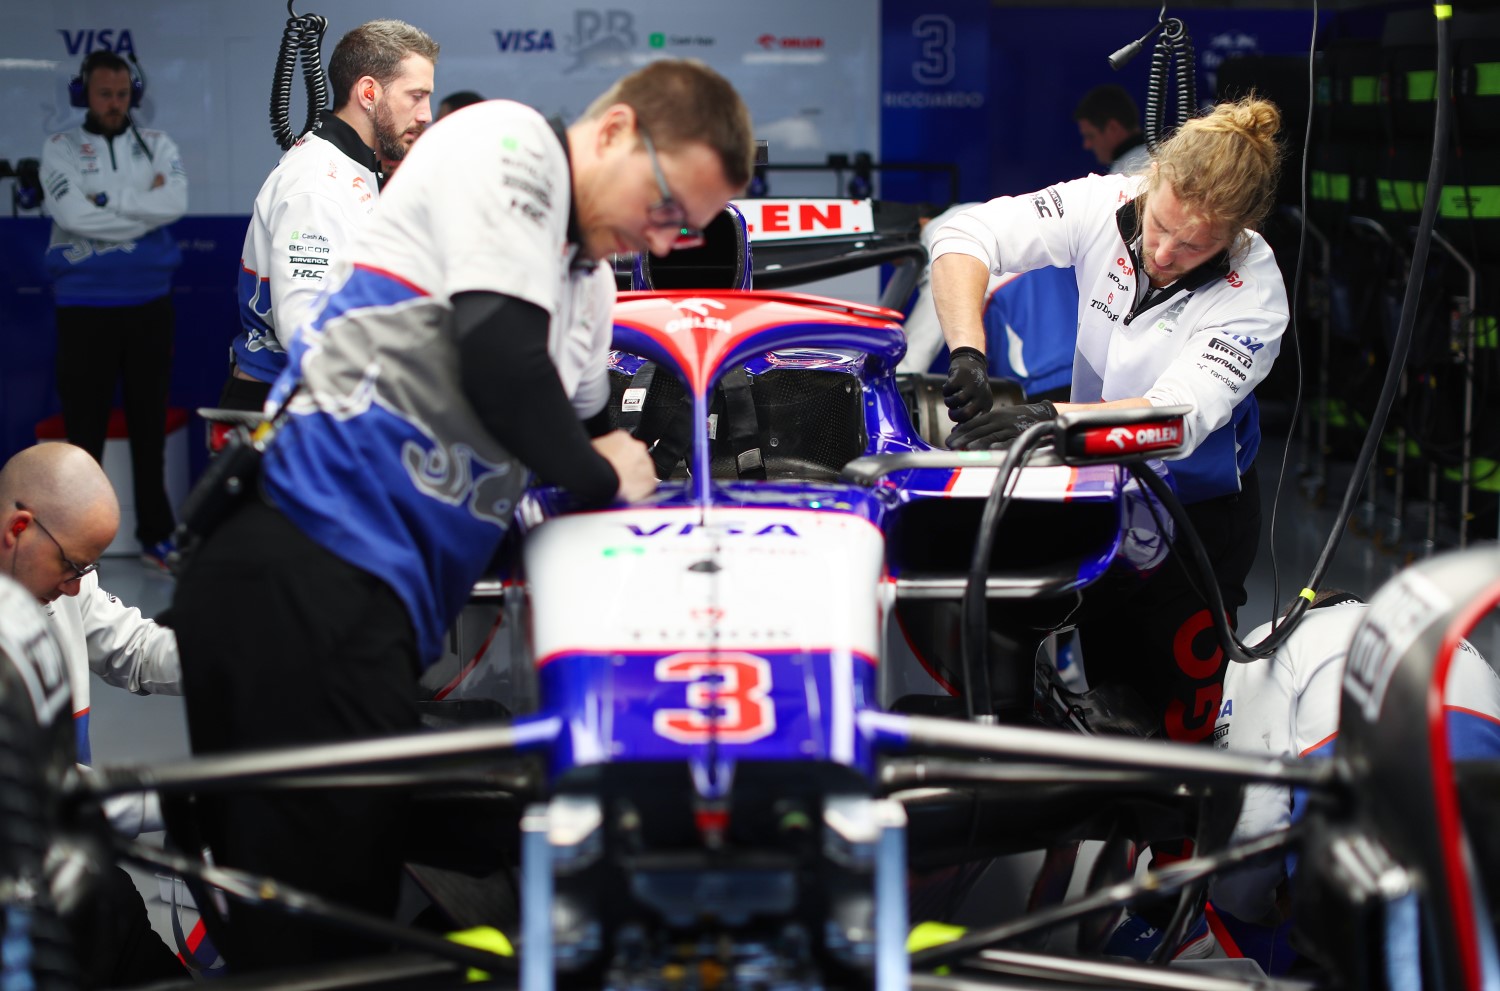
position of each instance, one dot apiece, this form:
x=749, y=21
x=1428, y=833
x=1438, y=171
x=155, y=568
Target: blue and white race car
x=737, y=724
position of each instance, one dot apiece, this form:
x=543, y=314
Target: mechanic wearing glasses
x=1180, y=302
x=59, y=513
x=459, y=348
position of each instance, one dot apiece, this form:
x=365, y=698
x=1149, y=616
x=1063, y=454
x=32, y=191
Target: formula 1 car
x=737, y=727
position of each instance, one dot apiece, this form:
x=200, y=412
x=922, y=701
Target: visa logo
x=525, y=41
x=668, y=530
x=86, y=40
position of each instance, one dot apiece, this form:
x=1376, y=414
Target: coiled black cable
x=302, y=38
x=1173, y=53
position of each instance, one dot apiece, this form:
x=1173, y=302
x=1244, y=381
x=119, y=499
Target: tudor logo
x=695, y=312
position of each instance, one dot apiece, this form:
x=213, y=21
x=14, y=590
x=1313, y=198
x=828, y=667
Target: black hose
x=302, y=38
x=1399, y=348
x=973, y=626
x=1173, y=54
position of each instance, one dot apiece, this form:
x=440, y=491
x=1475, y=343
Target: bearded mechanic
x=322, y=191
x=1180, y=302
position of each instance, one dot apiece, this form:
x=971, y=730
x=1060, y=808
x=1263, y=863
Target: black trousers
x=244, y=394
x=1156, y=636
x=114, y=941
x=284, y=643
x=97, y=346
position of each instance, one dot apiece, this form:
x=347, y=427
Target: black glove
x=999, y=426
x=967, y=391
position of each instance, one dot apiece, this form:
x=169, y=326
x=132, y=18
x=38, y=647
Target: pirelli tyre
x=36, y=752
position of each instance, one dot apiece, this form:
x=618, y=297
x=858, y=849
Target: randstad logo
x=525, y=40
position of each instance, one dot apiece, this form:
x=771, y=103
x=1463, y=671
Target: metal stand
x=1466, y=456
x=1388, y=536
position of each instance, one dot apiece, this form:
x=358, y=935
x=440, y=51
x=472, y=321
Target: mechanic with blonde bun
x=1180, y=303
x=459, y=348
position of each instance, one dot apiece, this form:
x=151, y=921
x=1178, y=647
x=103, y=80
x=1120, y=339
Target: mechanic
x=1288, y=704
x=457, y=101
x=1200, y=329
x=1110, y=124
x=322, y=191
x=57, y=509
x=112, y=189
x=460, y=347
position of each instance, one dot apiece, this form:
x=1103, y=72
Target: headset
x=78, y=86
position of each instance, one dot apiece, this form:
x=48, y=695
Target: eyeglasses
x=669, y=212
x=78, y=572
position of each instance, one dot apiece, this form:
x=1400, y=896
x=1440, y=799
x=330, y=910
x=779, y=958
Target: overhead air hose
x=1173, y=54
x=302, y=40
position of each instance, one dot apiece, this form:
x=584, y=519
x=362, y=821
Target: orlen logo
x=770, y=219
x=1233, y=278
x=525, y=40
x=771, y=42
x=1125, y=266
x=86, y=40
x=696, y=314
x=1148, y=438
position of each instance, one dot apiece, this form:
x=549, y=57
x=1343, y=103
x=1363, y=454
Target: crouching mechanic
x=322, y=191
x=1180, y=302
x=459, y=348
x=1288, y=704
x=57, y=509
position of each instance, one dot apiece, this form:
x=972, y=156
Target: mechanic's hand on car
x=967, y=391
x=630, y=460
x=999, y=426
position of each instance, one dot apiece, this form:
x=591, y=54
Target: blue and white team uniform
x=1288, y=705
x=382, y=461
x=1207, y=340
x=306, y=215
x=110, y=245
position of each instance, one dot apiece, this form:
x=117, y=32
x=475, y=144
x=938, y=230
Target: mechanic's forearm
x=1134, y=402
x=958, y=285
x=509, y=379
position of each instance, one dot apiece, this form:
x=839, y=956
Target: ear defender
x=78, y=86
x=17, y=527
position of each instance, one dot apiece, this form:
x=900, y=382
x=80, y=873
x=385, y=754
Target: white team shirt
x=1288, y=705
x=306, y=215
x=1206, y=346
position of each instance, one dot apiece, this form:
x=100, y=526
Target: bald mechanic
x=59, y=513
x=459, y=350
